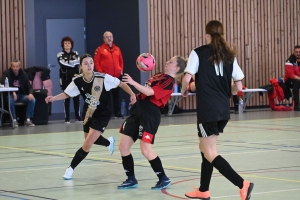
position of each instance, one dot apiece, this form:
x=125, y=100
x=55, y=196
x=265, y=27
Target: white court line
x=258, y=193
x=141, y=162
x=62, y=167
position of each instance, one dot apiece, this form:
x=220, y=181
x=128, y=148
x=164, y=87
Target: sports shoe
x=78, y=119
x=245, y=192
x=161, y=184
x=196, y=194
x=68, y=174
x=28, y=123
x=111, y=147
x=15, y=124
x=67, y=121
x=128, y=184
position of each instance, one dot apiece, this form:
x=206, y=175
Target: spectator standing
x=108, y=59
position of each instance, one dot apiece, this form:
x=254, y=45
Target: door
x=56, y=29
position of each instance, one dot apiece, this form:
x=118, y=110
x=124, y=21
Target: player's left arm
x=128, y=90
x=237, y=75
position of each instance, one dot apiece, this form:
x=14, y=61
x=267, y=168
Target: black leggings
x=295, y=84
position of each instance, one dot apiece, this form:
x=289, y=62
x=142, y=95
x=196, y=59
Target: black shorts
x=206, y=129
x=97, y=123
x=142, y=123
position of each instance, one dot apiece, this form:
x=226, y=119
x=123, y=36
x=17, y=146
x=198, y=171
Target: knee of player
x=123, y=147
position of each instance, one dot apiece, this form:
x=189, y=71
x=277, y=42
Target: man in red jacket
x=108, y=59
x=292, y=75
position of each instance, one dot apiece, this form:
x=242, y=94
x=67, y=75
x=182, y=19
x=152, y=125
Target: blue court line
x=13, y=197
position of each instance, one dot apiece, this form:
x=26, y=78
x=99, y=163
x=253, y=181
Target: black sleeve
x=27, y=84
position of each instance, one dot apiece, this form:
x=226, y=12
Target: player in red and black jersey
x=144, y=120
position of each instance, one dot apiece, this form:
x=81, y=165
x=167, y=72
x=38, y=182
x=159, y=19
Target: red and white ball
x=145, y=62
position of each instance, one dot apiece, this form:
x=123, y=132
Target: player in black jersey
x=214, y=65
x=144, y=120
x=94, y=88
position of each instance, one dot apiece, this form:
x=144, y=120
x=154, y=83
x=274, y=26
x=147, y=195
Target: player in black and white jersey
x=214, y=65
x=94, y=87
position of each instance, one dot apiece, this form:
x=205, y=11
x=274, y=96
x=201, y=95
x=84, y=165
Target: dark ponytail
x=221, y=51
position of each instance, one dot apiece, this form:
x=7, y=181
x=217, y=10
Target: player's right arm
x=145, y=90
x=70, y=91
x=58, y=97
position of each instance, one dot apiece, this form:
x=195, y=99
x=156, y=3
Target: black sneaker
x=161, y=184
x=78, y=119
x=128, y=184
x=67, y=120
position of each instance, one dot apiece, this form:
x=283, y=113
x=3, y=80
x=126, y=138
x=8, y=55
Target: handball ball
x=145, y=62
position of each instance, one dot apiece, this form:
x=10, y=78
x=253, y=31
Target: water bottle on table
x=6, y=84
x=241, y=106
x=123, y=107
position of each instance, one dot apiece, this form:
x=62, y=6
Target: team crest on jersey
x=97, y=88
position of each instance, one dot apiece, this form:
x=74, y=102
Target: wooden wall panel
x=12, y=33
x=264, y=31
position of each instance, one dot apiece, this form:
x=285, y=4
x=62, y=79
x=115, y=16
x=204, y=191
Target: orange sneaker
x=196, y=194
x=245, y=192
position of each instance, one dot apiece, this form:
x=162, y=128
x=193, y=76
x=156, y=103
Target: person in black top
x=17, y=77
x=214, y=65
x=94, y=87
x=69, y=67
x=144, y=120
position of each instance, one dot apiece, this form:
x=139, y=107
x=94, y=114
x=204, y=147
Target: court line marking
x=258, y=193
x=12, y=197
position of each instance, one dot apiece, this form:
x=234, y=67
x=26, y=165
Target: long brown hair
x=221, y=51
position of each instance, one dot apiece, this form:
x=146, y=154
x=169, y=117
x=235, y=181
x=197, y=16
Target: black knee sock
x=128, y=166
x=235, y=102
x=226, y=170
x=102, y=141
x=79, y=156
x=158, y=168
x=206, y=172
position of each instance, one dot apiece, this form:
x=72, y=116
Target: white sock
x=15, y=120
x=28, y=119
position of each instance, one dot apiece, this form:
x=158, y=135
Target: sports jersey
x=162, y=84
x=213, y=84
x=102, y=104
x=292, y=67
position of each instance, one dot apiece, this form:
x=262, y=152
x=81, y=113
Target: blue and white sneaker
x=111, y=147
x=162, y=184
x=128, y=184
x=68, y=174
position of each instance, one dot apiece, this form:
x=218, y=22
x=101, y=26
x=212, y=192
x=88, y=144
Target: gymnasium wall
x=264, y=31
x=12, y=33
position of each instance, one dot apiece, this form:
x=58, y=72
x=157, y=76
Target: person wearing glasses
x=69, y=67
x=94, y=87
x=108, y=59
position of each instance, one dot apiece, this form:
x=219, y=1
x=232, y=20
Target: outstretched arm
x=58, y=97
x=185, y=82
x=145, y=90
x=128, y=90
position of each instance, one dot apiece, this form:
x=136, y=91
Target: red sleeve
x=163, y=88
x=97, y=59
x=121, y=60
x=289, y=71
